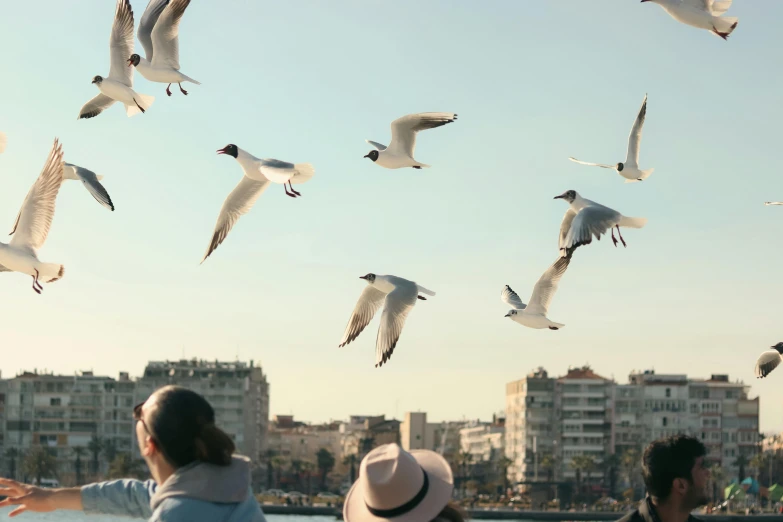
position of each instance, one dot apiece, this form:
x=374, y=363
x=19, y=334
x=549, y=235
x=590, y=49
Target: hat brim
x=438, y=495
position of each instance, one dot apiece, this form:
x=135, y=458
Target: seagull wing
x=121, y=44
x=565, y=226
x=379, y=146
x=35, y=217
x=719, y=7
x=148, y=20
x=3, y=141
x=589, y=222
x=702, y=5
x=93, y=186
x=95, y=106
x=511, y=298
x=165, y=35
x=404, y=129
x=4, y=269
x=635, y=138
x=592, y=164
x=368, y=304
x=767, y=362
x=239, y=202
x=546, y=286
x=768, y=203
x=399, y=303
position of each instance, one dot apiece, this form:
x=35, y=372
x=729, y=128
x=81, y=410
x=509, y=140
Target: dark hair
x=667, y=459
x=184, y=425
x=451, y=513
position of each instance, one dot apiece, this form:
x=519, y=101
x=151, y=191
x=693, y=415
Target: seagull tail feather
x=632, y=222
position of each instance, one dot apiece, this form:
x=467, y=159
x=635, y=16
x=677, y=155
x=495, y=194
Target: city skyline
x=533, y=83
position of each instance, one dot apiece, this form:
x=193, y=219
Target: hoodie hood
x=208, y=482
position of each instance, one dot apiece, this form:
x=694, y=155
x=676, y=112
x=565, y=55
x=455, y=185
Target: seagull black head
x=510, y=313
x=620, y=167
x=569, y=195
x=370, y=278
x=373, y=155
x=134, y=60
x=230, y=149
x=97, y=79
x=778, y=347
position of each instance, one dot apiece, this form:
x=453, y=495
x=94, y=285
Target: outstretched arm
x=32, y=498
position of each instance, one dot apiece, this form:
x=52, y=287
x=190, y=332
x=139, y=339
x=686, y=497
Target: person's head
x=176, y=427
x=398, y=486
x=674, y=471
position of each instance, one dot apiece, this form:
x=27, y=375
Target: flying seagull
x=398, y=296
x=702, y=14
x=585, y=219
x=769, y=203
x=33, y=223
x=399, y=153
x=159, y=35
x=630, y=168
x=533, y=314
x=258, y=174
x=769, y=360
x=118, y=86
x=3, y=141
x=91, y=183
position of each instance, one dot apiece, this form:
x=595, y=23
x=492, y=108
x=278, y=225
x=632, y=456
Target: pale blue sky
x=697, y=290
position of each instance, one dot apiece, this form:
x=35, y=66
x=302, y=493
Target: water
x=75, y=516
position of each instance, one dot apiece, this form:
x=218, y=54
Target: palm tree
x=326, y=463
x=741, y=462
x=296, y=468
x=123, y=466
x=582, y=463
x=278, y=463
x=547, y=463
x=629, y=462
x=465, y=459
x=270, y=468
x=109, y=450
x=350, y=460
x=39, y=463
x=79, y=451
x=307, y=469
x=718, y=475
x=609, y=466
x=503, y=464
x=11, y=455
x=95, y=446
x=757, y=463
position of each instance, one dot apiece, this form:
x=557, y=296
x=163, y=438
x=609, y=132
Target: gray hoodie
x=198, y=492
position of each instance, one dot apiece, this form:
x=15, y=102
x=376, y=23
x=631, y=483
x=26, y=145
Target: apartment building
x=485, y=443
x=238, y=392
x=583, y=413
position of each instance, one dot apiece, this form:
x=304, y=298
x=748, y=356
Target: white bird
x=258, y=174
x=702, y=14
x=630, y=168
x=159, y=35
x=399, y=296
x=768, y=203
x=399, y=153
x=3, y=141
x=769, y=360
x=118, y=86
x=585, y=219
x=533, y=314
x=33, y=223
x=91, y=183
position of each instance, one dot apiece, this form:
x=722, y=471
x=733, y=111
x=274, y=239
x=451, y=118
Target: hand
x=28, y=498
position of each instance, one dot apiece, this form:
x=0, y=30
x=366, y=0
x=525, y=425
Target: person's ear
x=680, y=486
x=150, y=447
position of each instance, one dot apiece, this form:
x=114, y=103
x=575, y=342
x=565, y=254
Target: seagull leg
x=35, y=282
x=183, y=91
x=286, y=191
x=139, y=106
x=421, y=297
x=168, y=89
x=621, y=236
x=292, y=188
x=613, y=238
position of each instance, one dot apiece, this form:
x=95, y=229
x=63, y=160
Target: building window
x=668, y=392
x=665, y=420
x=54, y=401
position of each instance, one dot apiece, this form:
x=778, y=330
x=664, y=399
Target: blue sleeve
x=119, y=497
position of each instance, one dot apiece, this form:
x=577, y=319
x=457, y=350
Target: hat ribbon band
x=405, y=508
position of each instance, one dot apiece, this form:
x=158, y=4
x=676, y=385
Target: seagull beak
x=92, y=81
x=130, y=62
x=363, y=277
x=561, y=196
x=507, y=315
x=366, y=155
x=221, y=151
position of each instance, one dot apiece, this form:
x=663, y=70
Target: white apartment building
x=530, y=420
x=593, y=415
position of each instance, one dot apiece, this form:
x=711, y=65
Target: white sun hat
x=397, y=485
